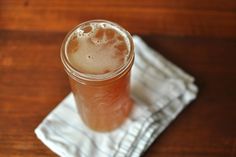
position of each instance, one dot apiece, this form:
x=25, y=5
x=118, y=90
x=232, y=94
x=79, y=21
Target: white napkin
x=160, y=89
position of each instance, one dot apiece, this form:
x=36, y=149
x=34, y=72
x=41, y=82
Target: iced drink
x=98, y=56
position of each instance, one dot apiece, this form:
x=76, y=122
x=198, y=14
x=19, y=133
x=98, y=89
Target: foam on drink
x=97, y=48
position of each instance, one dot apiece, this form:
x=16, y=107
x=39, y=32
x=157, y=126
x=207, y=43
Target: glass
x=103, y=100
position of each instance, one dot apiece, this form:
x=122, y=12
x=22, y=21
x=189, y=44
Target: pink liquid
x=101, y=49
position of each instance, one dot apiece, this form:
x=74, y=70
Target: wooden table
x=197, y=35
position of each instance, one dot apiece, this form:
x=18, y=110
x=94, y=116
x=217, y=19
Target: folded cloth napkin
x=160, y=89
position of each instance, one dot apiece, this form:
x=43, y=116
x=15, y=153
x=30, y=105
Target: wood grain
x=179, y=18
x=199, y=36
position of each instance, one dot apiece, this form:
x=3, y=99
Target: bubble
x=104, y=25
x=96, y=41
x=73, y=45
x=90, y=57
x=110, y=33
x=99, y=33
x=86, y=29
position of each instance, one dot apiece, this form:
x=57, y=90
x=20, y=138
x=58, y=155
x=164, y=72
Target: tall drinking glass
x=97, y=56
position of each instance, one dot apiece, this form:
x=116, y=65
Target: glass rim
x=73, y=72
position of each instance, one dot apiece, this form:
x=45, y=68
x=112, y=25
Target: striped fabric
x=161, y=91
